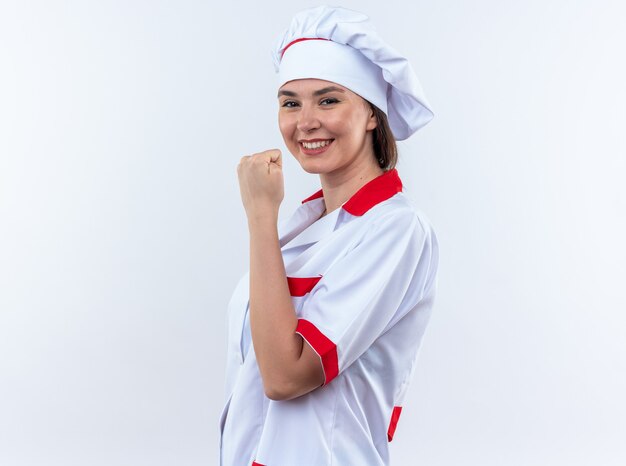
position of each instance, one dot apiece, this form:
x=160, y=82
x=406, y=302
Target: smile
x=316, y=144
x=314, y=148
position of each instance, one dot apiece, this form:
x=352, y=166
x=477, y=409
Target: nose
x=308, y=119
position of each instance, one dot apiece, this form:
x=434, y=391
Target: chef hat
x=340, y=45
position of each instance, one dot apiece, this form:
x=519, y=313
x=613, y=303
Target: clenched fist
x=261, y=182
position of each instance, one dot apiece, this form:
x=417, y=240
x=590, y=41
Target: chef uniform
x=362, y=280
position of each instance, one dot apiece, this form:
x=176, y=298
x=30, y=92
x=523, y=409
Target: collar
x=371, y=193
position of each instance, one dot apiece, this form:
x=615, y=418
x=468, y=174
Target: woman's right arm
x=288, y=367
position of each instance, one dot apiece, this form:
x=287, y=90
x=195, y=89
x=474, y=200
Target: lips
x=315, y=146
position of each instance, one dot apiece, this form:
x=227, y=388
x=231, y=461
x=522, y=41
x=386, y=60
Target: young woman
x=325, y=328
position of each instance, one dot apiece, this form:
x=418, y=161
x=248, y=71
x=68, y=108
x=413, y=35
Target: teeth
x=316, y=145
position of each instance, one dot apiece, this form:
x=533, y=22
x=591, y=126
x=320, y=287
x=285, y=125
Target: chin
x=307, y=166
x=313, y=168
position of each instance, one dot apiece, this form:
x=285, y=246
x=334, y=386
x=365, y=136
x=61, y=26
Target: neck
x=339, y=187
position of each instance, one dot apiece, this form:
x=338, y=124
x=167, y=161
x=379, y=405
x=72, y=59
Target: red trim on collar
x=374, y=192
x=317, y=195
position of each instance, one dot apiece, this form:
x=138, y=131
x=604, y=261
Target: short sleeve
x=368, y=289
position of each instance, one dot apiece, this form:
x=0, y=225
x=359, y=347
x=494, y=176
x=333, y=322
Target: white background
x=122, y=233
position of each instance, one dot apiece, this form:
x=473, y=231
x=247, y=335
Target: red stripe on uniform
x=301, y=286
x=325, y=348
x=395, y=415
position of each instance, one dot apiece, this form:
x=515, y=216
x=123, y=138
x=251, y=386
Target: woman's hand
x=261, y=183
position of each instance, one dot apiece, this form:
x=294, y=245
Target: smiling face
x=325, y=126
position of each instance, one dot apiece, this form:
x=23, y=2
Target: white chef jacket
x=363, y=282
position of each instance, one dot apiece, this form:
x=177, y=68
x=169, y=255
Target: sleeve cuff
x=325, y=348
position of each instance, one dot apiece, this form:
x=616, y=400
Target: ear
x=372, y=121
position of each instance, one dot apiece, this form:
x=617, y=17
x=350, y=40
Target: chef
x=325, y=328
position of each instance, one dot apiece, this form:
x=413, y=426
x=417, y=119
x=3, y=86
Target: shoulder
x=400, y=212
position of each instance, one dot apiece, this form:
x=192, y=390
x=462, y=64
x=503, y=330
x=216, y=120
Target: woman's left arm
x=289, y=368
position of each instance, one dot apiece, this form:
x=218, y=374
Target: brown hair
x=385, y=148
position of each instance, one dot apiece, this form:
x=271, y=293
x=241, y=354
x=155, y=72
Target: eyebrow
x=324, y=90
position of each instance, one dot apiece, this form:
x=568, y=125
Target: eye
x=289, y=104
x=329, y=100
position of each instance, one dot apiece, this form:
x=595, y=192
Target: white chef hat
x=340, y=45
